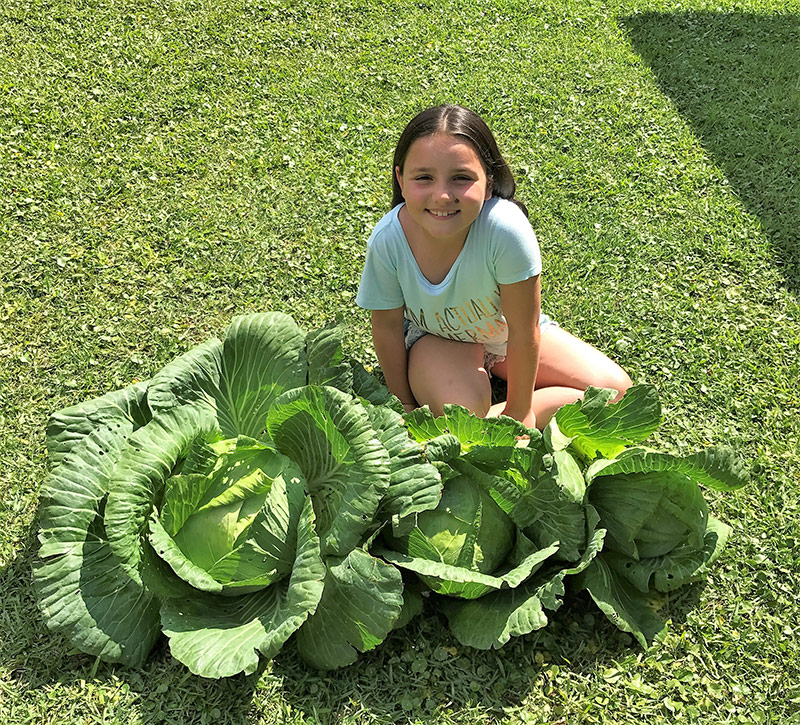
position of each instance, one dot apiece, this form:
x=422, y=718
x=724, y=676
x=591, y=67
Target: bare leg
x=567, y=360
x=546, y=401
x=567, y=366
x=446, y=371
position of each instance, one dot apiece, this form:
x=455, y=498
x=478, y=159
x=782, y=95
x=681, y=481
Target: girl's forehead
x=441, y=147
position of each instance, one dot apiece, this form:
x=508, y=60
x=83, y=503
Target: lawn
x=168, y=164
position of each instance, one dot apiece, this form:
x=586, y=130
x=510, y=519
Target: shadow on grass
x=419, y=672
x=736, y=78
x=423, y=674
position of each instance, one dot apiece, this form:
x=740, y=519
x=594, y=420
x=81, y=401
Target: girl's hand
x=408, y=407
x=528, y=418
x=529, y=421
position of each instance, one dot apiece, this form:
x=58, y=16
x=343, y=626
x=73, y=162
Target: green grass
x=166, y=165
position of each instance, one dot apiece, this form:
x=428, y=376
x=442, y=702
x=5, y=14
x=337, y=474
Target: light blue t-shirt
x=501, y=248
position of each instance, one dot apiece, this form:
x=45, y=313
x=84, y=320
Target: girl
x=452, y=280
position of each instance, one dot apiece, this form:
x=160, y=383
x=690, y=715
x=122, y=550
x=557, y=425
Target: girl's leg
x=546, y=401
x=565, y=360
x=567, y=366
x=446, y=371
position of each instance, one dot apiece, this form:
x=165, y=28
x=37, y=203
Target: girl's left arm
x=521, y=303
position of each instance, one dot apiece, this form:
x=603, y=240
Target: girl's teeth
x=442, y=213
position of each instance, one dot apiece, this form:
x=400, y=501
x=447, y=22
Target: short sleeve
x=515, y=251
x=379, y=288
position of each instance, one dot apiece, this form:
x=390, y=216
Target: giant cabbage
x=510, y=527
x=659, y=533
x=228, y=503
x=583, y=499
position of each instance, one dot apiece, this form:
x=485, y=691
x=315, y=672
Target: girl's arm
x=387, y=337
x=521, y=304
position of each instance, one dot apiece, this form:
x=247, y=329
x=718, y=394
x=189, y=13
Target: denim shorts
x=412, y=333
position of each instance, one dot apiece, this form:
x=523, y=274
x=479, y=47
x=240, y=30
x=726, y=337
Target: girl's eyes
x=426, y=177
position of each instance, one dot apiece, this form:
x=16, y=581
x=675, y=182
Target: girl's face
x=444, y=185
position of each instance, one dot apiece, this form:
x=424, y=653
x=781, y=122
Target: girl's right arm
x=388, y=339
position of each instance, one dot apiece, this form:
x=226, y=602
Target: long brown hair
x=465, y=124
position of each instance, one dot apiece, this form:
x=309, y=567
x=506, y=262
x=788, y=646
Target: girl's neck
x=435, y=257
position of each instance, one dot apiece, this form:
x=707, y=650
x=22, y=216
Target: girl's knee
x=472, y=401
x=444, y=371
x=617, y=379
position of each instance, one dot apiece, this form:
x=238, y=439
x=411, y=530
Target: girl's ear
x=488, y=190
x=399, y=177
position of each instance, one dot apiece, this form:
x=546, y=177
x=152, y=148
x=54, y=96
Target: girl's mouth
x=442, y=214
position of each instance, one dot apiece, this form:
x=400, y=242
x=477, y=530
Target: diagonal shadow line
x=736, y=78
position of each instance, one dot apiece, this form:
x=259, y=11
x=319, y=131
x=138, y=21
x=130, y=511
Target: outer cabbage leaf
x=362, y=600
x=83, y=590
x=412, y=601
x=459, y=581
x=600, y=428
x=443, y=448
x=367, y=386
x=558, y=493
x=628, y=608
x=121, y=411
x=467, y=427
x=327, y=364
x=79, y=471
x=149, y=457
x=414, y=484
x=717, y=467
x=262, y=356
x=490, y=621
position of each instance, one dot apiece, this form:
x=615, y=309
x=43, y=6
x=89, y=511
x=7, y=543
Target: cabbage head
x=659, y=533
x=490, y=550
x=467, y=529
x=228, y=504
x=229, y=523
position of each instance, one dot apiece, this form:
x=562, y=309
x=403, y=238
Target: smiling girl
x=452, y=277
